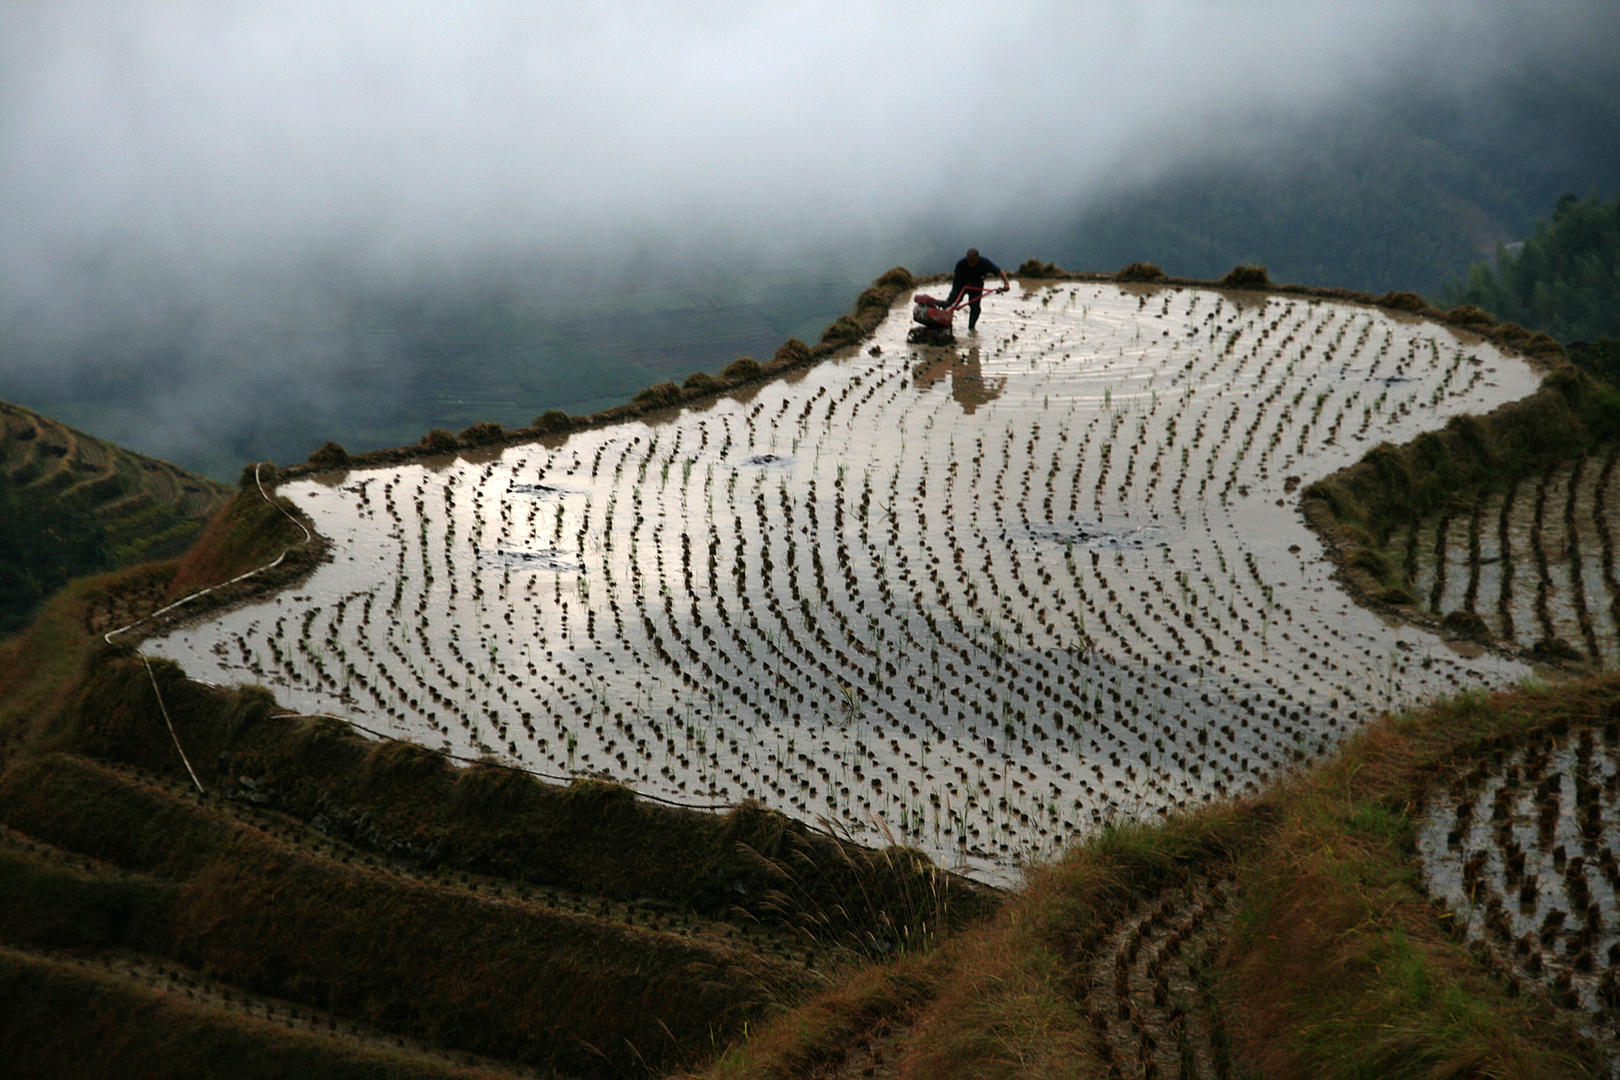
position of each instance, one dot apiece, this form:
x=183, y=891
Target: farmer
x=971, y=270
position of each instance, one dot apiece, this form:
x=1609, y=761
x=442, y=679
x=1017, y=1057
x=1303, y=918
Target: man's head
x=973, y=256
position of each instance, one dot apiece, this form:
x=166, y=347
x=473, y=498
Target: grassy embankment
x=462, y=911
x=43, y=669
x=1326, y=958
x=470, y=910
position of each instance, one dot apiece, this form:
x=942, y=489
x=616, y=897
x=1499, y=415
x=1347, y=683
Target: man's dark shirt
x=974, y=276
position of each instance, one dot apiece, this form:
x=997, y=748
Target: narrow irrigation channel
x=977, y=598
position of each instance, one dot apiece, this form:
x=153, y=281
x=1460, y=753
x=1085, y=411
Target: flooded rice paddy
x=1521, y=850
x=977, y=598
x=1535, y=564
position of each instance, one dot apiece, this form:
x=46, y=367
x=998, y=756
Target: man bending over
x=970, y=273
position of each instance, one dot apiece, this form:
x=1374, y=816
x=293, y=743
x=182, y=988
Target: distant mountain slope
x=71, y=504
x=1399, y=192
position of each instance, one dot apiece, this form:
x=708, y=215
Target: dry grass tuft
x=1034, y=268
x=440, y=441
x=792, y=351
x=1338, y=965
x=742, y=369
x=699, y=383
x=1246, y=277
x=552, y=422
x=1404, y=301
x=483, y=433
x=1140, y=271
x=1471, y=316
x=659, y=396
x=329, y=455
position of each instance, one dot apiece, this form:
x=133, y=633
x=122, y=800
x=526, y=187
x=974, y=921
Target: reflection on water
x=969, y=387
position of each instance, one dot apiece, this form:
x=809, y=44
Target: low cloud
x=217, y=169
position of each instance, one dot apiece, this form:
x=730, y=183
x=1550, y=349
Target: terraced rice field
x=978, y=598
x=150, y=509
x=1146, y=996
x=1522, y=850
x=1534, y=564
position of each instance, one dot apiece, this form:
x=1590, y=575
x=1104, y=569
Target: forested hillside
x=1566, y=278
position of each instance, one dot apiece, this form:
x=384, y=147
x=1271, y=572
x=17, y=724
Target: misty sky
x=224, y=166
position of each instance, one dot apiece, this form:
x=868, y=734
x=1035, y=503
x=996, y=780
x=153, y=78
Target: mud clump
x=1555, y=648
x=1466, y=624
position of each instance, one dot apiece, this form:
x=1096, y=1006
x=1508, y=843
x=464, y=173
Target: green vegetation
x=43, y=544
x=1359, y=509
x=1339, y=964
x=1565, y=280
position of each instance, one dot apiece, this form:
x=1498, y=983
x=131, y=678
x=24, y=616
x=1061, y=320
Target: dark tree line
x=1565, y=280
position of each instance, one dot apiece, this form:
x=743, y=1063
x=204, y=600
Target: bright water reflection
x=983, y=597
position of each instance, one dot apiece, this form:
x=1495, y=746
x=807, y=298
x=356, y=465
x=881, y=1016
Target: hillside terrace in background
x=72, y=505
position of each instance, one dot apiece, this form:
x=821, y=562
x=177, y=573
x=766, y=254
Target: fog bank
x=181, y=179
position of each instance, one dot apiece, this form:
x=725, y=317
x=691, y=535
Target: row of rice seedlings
x=991, y=620
x=1532, y=564
x=1522, y=852
x=1145, y=994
